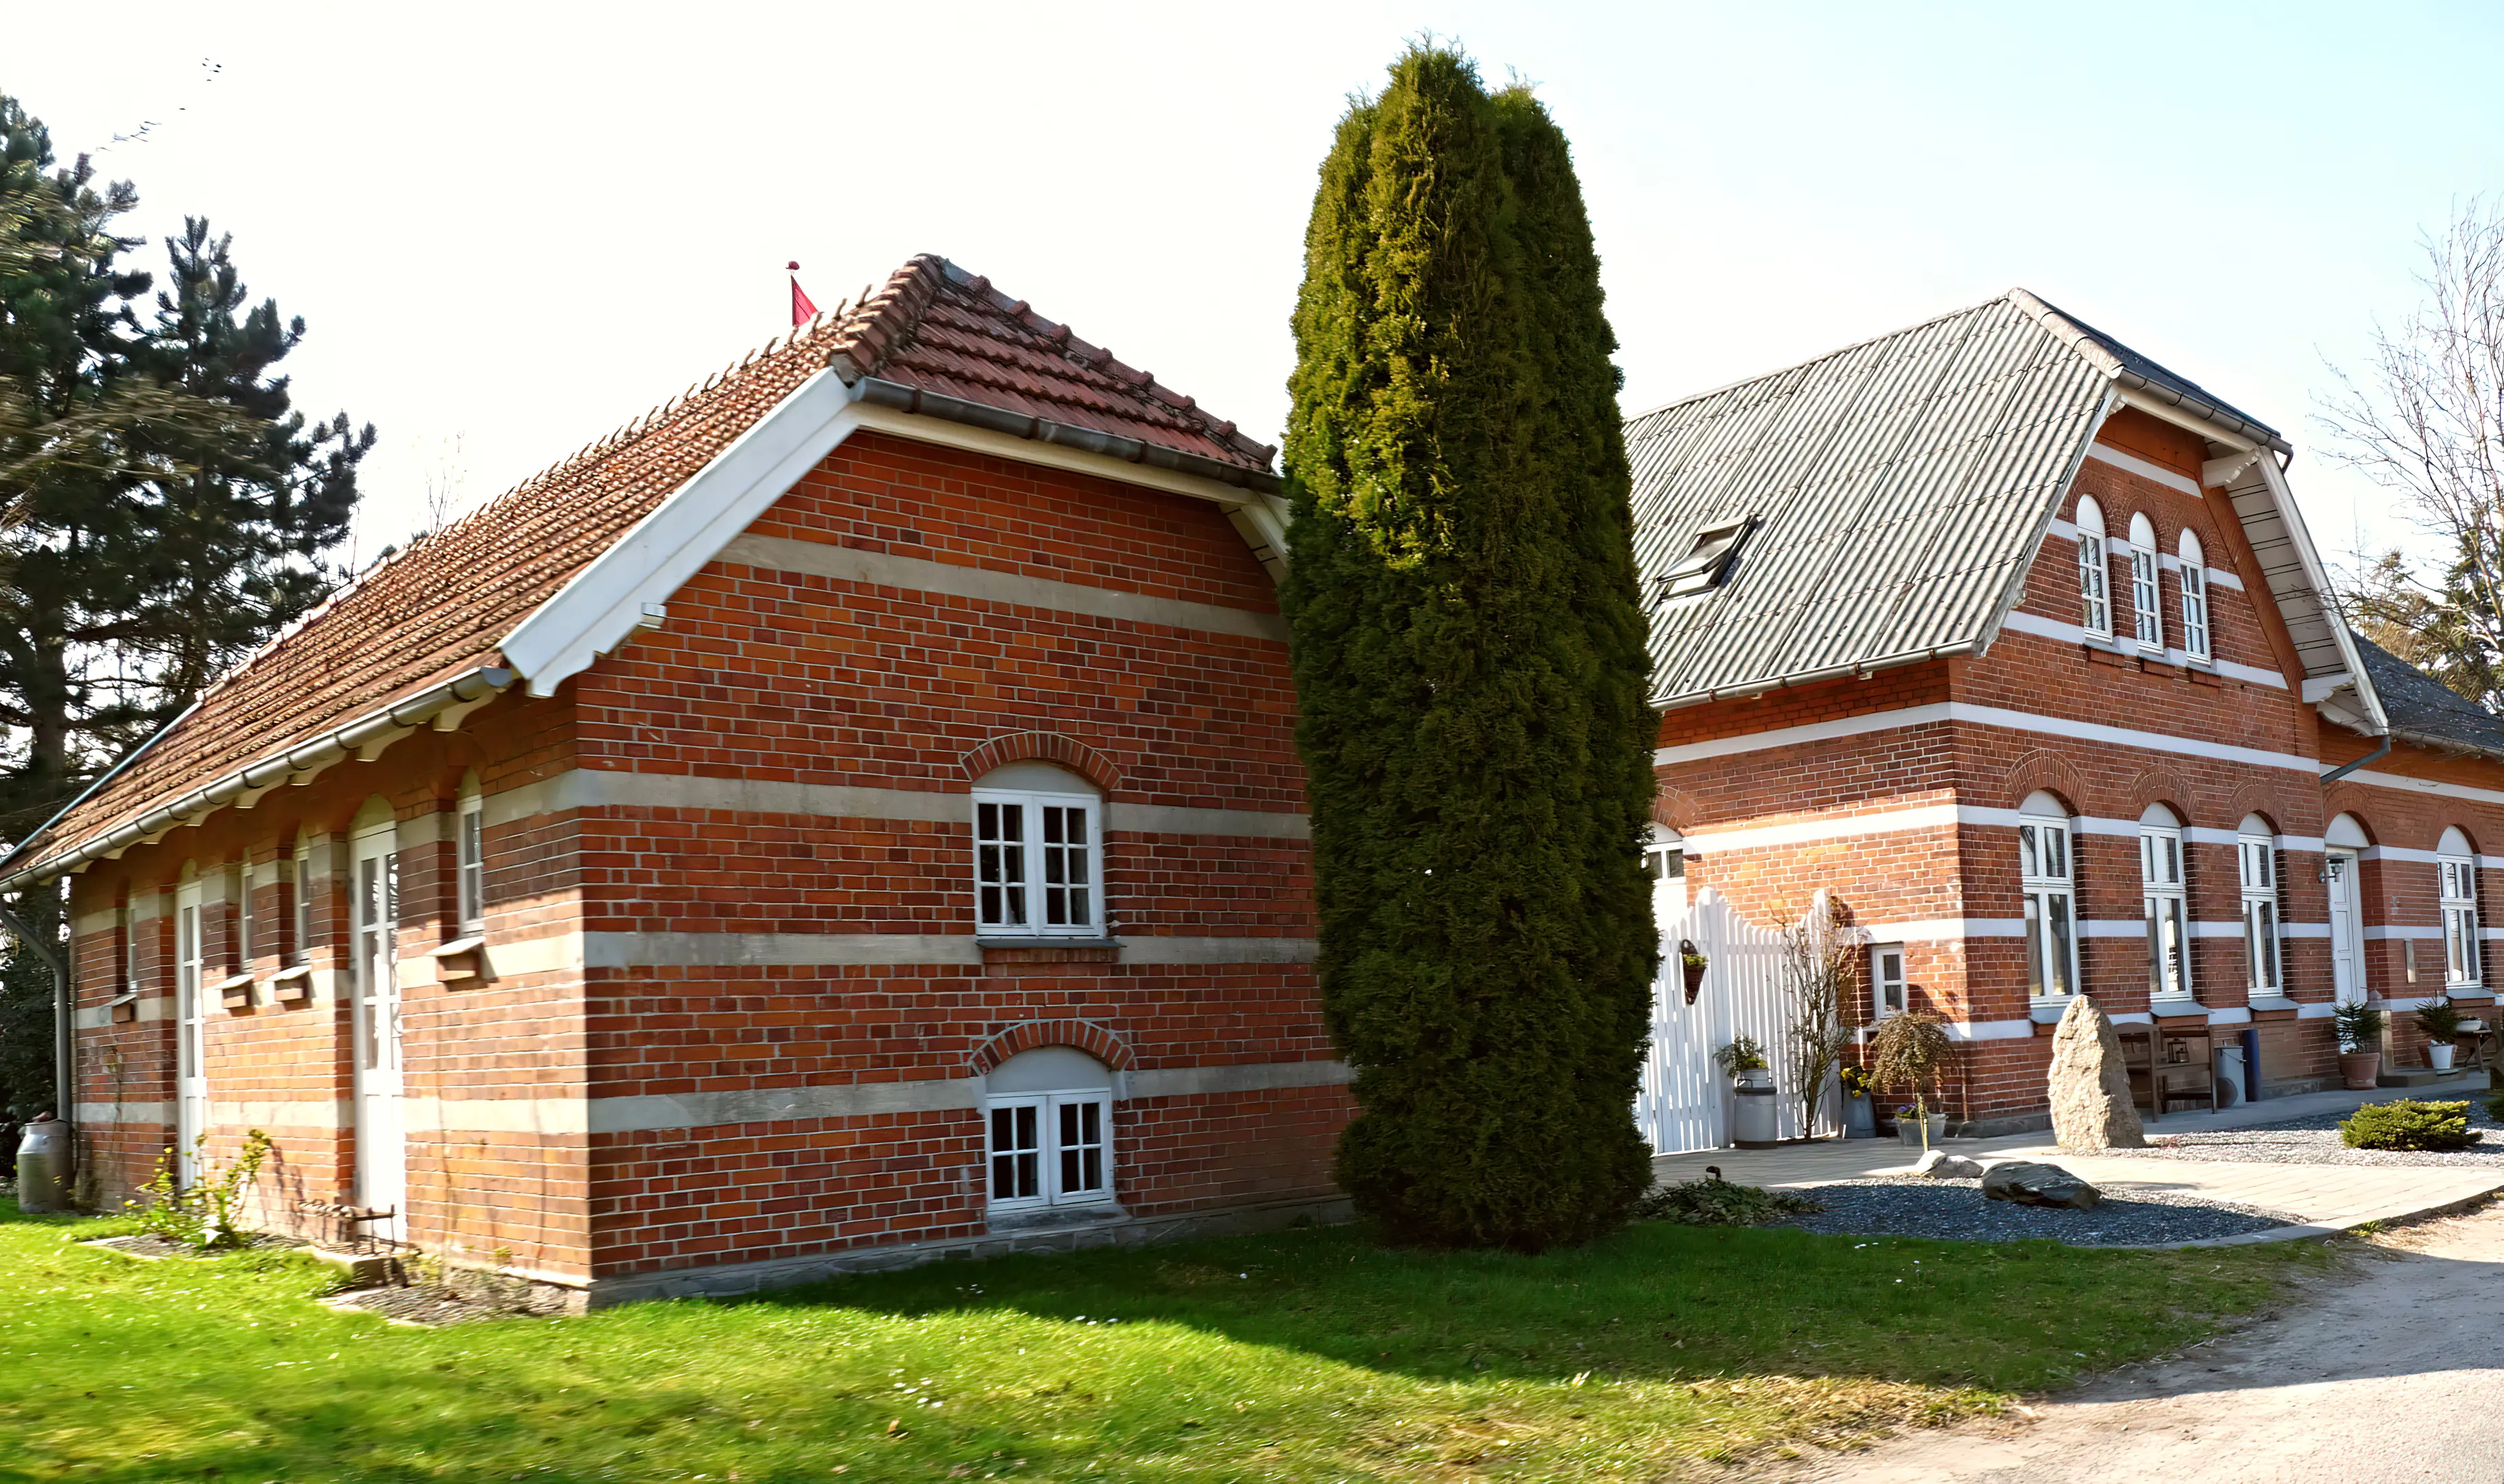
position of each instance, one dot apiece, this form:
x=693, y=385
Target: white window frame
x=1708, y=560
x=1053, y=1158
x=2196, y=639
x=1889, y=992
x=2166, y=905
x=129, y=947
x=2095, y=571
x=299, y=947
x=2047, y=879
x=2457, y=881
x=2147, y=594
x=243, y=946
x=2256, y=865
x=469, y=865
x=1014, y=893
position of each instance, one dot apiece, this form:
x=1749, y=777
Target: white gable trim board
x=1936, y=711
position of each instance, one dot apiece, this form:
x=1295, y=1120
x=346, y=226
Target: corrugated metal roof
x=1900, y=487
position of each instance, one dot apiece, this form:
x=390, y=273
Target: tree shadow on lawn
x=1654, y=1301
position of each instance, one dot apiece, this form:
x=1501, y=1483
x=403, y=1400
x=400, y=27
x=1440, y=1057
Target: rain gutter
x=366, y=735
x=1040, y=430
x=2345, y=769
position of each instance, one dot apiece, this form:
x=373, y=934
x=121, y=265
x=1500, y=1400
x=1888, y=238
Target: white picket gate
x=1686, y=1099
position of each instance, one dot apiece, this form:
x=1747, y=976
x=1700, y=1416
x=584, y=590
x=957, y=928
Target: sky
x=510, y=229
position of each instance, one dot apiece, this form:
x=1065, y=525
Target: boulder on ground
x=1939, y=1164
x=2090, y=1087
x=2029, y=1183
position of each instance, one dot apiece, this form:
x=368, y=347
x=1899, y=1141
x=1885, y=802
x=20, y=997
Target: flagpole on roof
x=802, y=310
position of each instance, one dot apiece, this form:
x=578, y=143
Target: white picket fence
x=1686, y=1101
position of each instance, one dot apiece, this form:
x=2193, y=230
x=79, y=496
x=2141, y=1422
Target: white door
x=382, y=1135
x=2346, y=934
x=190, y=1027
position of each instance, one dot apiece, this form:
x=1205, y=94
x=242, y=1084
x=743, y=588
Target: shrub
x=2410, y=1125
x=2496, y=1104
x=2359, y=1025
x=1744, y=1054
x=1716, y=1202
x=203, y=1213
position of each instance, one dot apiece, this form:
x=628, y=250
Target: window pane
x=2057, y=911
x=2029, y=855
x=2056, y=853
x=2033, y=942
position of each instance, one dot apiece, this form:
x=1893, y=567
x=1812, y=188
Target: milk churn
x=43, y=1166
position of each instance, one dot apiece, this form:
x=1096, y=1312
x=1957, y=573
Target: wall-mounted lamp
x=2334, y=869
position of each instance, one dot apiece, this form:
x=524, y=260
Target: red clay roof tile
x=442, y=604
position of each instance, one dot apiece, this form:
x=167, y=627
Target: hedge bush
x=1713, y=1202
x=2410, y=1125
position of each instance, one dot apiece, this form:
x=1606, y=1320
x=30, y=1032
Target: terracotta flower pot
x=2359, y=1070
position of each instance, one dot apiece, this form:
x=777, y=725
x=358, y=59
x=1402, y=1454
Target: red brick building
x=849, y=813
x=2014, y=643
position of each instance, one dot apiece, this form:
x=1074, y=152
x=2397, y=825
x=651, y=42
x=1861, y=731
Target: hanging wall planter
x=1691, y=964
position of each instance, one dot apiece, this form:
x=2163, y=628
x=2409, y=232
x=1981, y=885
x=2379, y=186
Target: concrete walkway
x=2386, y=1371
x=2322, y=1197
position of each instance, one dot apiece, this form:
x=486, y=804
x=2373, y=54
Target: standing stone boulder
x=2029, y=1184
x=2091, y=1106
x=1939, y=1164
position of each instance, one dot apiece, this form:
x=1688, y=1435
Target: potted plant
x=1753, y=1124
x=2361, y=1052
x=1860, y=1118
x=1911, y=1049
x=2439, y=1019
x=1691, y=964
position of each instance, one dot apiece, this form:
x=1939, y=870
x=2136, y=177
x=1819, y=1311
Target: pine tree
x=1470, y=670
x=162, y=509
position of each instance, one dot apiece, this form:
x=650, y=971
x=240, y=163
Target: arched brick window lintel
x=1097, y=1041
x=1048, y=747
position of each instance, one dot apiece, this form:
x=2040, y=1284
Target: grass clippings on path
x=1303, y=1355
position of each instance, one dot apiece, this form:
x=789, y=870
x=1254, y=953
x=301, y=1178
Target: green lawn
x=1306, y=1355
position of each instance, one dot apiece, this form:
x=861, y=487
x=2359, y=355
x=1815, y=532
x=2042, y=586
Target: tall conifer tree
x=1470, y=671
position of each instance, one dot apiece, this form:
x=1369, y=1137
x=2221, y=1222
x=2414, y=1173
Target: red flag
x=802, y=311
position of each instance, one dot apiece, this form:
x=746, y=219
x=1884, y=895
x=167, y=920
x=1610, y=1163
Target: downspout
x=64, y=1027
x=2345, y=769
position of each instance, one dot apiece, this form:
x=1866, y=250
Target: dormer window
x=1708, y=561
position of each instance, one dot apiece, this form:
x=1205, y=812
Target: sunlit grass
x=1306, y=1355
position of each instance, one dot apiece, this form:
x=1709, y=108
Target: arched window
x=2195, y=597
x=2051, y=898
x=1049, y=1135
x=472, y=856
x=1665, y=862
x=2458, y=865
x=2256, y=849
x=1039, y=859
x=2148, y=621
x=2093, y=598
x=2167, y=905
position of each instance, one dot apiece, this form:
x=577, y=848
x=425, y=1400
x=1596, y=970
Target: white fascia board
x=607, y=601
x=2129, y=463
x=2318, y=576
x=631, y=582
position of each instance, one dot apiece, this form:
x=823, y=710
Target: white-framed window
x=1048, y=1131
x=2195, y=599
x=2456, y=865
x=1708, y=561
x=471, y=863
x=129, y=914
x=1665, y=863
x=2146, y=599
x=2256, y=855
x=1038, y=863
x=300, y=946
x=242, y=947
x=2095, y=600
x=1887, y=993
x=2166, y=903
x=2043, y=873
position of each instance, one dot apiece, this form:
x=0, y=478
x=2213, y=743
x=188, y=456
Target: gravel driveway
x=2314, y=1140
x=1955, y=1210
x=2389, y=1373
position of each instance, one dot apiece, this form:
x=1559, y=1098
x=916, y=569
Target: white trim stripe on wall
x=1937, y=711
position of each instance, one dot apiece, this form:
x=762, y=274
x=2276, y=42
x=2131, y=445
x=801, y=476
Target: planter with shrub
x=2439, y=1020
x=2409, y=1125
x=2360, y=1045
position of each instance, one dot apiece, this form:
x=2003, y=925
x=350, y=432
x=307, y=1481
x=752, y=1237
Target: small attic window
x=1708, y=562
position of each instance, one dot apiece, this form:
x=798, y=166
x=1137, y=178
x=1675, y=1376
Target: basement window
x=1708, y=562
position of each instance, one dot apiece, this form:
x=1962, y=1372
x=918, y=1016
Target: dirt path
x=2392, y=1375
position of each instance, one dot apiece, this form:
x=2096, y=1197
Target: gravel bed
x=1955, y=1210
x=150, y=1245
x=422, y=1303
x=2314, y=1140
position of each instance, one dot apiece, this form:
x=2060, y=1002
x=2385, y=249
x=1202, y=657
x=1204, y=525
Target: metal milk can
x=43, y=1166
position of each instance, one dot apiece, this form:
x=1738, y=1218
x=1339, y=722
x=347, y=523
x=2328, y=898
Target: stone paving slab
x=2324, y=1199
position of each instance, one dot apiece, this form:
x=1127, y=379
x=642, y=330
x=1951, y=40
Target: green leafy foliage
x=1744, y=1053
x=2358, y=1026
x=2410, y=1125
x=203, y=1213
x=1711, y=1202
x=1470, y=671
